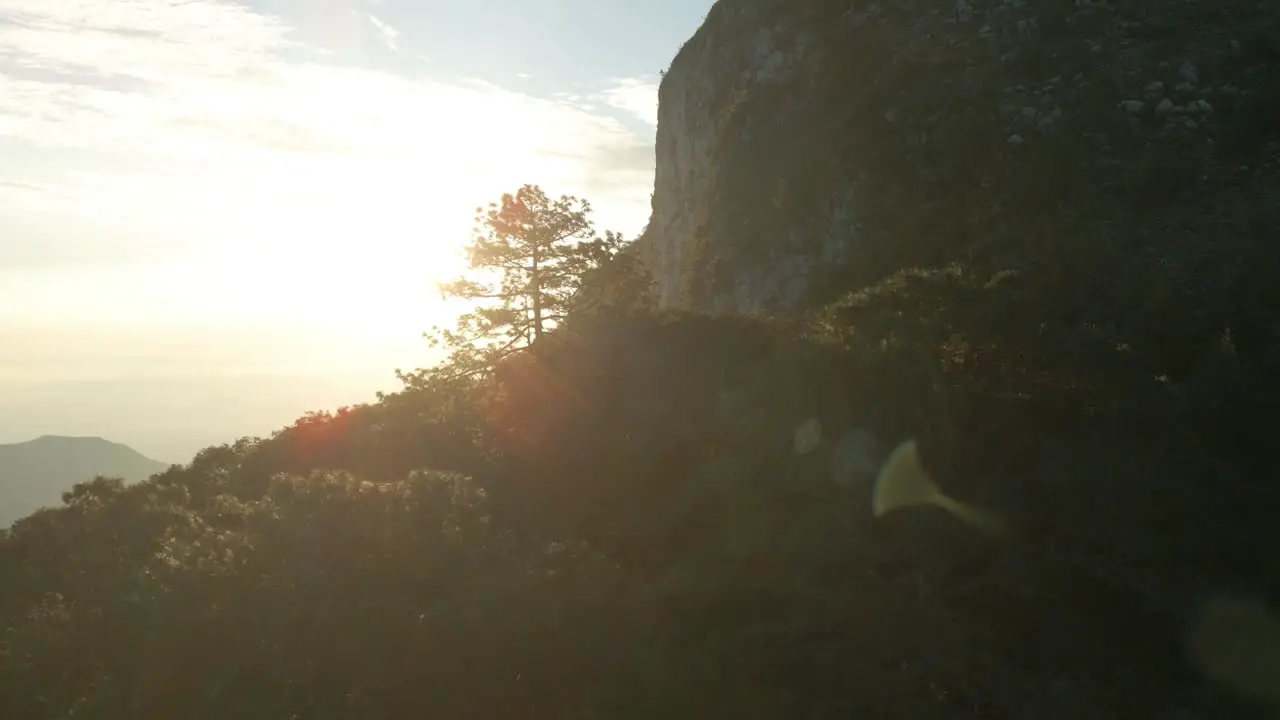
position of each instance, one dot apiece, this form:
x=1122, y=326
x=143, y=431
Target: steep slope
x=617, y=523
x=35, y=473
x=1068, y=213
x=619, y=527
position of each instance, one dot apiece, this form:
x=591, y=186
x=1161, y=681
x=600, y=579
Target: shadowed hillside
x=614, y=524
x=34, y=474
x=596, y=509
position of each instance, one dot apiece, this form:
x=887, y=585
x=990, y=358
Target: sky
x=218, y=215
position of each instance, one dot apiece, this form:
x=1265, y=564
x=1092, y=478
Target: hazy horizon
x=220, y=215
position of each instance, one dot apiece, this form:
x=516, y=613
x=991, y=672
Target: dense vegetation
x=609, y=521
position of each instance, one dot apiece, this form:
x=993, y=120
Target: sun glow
x=367, y=258
x=191, y=164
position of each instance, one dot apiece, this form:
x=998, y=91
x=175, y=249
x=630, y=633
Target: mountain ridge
x=34, y=473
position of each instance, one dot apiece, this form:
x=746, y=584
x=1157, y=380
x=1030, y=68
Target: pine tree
x=529, y=257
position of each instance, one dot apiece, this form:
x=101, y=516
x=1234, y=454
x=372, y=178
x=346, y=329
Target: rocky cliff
x=818, y=146
x=1067, y=211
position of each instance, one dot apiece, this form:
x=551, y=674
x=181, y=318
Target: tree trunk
x=535, y=283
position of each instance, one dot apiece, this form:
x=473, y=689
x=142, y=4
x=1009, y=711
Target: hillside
x=616, y=520
x=616, y=525
x=35, y=473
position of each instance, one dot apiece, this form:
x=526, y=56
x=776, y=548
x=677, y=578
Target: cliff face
x=1069, y=212
x=819, y=145
x=705, y=146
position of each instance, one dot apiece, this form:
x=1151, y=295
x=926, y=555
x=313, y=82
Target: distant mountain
x=35, y=473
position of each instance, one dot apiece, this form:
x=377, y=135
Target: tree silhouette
x=530, y=254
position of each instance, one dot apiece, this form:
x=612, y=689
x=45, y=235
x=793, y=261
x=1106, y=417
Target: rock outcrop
x=1066, y=211
x=809, y=146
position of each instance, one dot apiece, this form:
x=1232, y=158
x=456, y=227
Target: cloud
x=157, y=40
x=19, y=190
x=190, y=162
x=637, y=96
x=388, y=33
x=240, y=113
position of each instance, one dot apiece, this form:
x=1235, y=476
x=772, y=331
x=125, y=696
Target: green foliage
x=593, y=510
x=610, y=521
x=619, y=281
